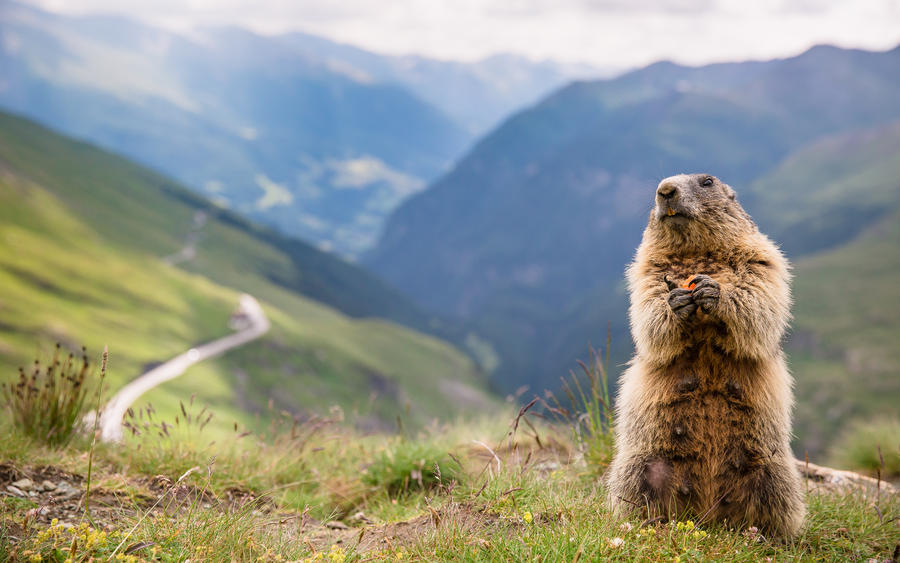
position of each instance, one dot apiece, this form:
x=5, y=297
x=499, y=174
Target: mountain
x=528, y=236
x=318, y=139
x=97, y=250
x=477, y=95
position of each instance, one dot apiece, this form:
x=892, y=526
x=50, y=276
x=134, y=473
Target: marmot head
x=697, y=211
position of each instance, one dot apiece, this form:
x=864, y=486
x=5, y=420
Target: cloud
x=275, y=194
x=360, y=173
x=603, y=32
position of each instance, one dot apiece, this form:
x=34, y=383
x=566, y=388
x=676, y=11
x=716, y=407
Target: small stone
x=337, y=525
x=15, y=490
x=24, y=484
x=65, y=491
x=360, y=517
x=48, y=485
x=64, y=487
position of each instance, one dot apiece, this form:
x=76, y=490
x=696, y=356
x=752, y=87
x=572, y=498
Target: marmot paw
x=682, y=303
x=705, y=293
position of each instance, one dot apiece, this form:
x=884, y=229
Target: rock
x=360, y=517
x=826, y=479
x=65, y=491
x=48, y=485
x=337, y=525
x=16, y=491
x=23, y=484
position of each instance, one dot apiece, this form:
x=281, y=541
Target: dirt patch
x=466, y=519
x=57, y=494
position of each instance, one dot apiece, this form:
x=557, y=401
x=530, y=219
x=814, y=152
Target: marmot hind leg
x=643, y=485
x=769, y=496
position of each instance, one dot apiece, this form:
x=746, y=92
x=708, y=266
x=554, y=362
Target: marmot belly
x=703, y=434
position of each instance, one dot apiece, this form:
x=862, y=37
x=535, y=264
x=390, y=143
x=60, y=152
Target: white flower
x=616, y=542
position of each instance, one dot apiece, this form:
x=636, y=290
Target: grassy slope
x=81, y=237
x=846, y=326
x=533, y=503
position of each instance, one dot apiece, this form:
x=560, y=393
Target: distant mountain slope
x=827, y=192
x=837, y=202
x=262, y=128
x=92, y=250
x=528, y=236
x=319, y=139
x=844, y=350
x=477, y=95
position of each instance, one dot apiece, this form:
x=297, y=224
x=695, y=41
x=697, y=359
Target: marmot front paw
x=682, y=303
x=705, y=293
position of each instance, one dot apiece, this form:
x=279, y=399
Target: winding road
x=251, y=322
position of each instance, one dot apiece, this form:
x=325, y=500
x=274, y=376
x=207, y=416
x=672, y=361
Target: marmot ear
x=732, y=195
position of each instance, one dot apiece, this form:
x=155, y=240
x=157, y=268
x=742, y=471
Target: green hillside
x=826, y=193
x=83, y=237
x=843, y=193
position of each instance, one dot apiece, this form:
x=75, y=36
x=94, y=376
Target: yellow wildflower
x=336, y=554
x=527, y=517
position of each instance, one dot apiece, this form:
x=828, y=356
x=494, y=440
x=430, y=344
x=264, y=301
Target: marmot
x=704, y=409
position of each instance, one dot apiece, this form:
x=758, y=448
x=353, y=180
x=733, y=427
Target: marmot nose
x=666, y=190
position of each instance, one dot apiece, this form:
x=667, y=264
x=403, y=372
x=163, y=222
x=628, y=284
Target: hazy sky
x=605, y=32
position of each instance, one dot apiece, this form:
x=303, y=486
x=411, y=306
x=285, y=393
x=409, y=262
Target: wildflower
x=647, y=532
x=336, y=554
x=616, y=543
x=625, y=527
x=527, y=517
x=400, y=555
x=699, y=534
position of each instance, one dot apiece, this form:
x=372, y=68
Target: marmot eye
x=708, y=181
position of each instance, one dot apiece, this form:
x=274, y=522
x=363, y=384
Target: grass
x=590, y=411
x=47, y=402
x=871, y=446
x=319, y=490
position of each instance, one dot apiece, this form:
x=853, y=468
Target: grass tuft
x=47, y=401
x=871, y=446
x=587, y=408
x=405, y=466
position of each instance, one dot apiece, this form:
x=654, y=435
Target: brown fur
x=704, y=410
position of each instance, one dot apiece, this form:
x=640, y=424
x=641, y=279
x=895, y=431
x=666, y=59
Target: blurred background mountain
x=319, y=139
x=466, y=223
